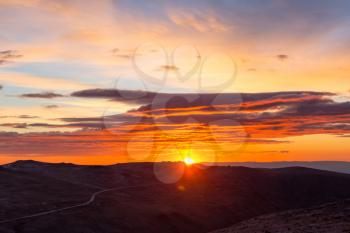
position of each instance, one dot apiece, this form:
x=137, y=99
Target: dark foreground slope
x=326, y=218
x=134, y=200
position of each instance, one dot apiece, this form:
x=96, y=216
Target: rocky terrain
x=327, y=218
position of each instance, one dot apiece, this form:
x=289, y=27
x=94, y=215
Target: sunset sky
x=100, y=82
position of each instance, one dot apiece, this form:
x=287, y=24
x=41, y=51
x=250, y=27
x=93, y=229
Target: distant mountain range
x=335, y=166
x=40, y=197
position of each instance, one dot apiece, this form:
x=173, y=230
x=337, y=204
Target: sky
x=101, y=82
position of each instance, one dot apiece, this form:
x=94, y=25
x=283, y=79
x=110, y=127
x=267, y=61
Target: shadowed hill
x=202, y=200
x=326, y=218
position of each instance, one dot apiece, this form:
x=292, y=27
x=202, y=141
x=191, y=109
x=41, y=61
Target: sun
x=188, y=161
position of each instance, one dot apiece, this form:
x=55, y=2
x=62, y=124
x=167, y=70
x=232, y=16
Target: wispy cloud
x=135, y=96
x=282, y=57
x=197, y=20
x=168, y=68
x=20, y=117
x=44, y=95
x=8, y=56
x=51, y=106
x=15, y=125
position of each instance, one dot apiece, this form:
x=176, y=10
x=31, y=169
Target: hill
x=42, y=197
x=335, y=166
x=327, y=218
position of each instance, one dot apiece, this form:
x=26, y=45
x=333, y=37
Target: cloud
x=261, y=115
x=20, y=117
x=27, y=117
x=8, y=56
x=74, y=123
x=282, y=57
x=195, y=19
x=223, y=120
x=303, y=103
x=51, y=106
x=271, y=115
x=82, y=119
x=15, y=125
x=236, y=26
x=59, y=144
x=131, y=96
x=168, y=68
x=78, y=125
x=126, y=54
x=44, y=95
x=8, y=134
x=249, y=28
x=251, y=70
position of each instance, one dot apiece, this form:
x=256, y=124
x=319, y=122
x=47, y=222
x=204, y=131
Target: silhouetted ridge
x=135, y=200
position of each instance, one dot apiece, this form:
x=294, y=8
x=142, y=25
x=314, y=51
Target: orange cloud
x=221, y=126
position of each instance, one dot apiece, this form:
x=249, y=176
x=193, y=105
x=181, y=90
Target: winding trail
x=86, y=203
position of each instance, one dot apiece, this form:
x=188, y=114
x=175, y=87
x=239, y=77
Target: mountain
x=335, y=166
x=327, y=218
x=43, y=197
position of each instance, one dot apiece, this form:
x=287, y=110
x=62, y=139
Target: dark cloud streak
x=44, y=95
x=8, y=56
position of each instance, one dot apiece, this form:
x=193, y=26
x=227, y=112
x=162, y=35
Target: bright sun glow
x=188, y=161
